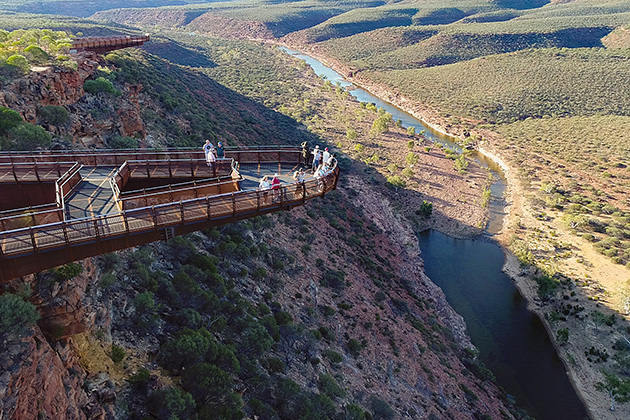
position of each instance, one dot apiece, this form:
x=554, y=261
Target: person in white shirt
x=264, y=186
x=325, y=156
x=207, y=147
x=299, y=177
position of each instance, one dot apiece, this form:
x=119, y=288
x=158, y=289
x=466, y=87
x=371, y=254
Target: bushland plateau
x=300, y=315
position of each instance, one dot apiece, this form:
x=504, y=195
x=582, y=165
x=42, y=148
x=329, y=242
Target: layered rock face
x=39, y=381
x=92, y=117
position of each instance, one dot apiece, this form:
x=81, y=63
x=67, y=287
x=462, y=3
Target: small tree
x=562, y=336
x=28, y=137
x=36, y=55
x=118, y=353
x=618, y=389
x=411, y=144
x=411, y=131
x=54, y=115
x=19, y=62
x=411, y=158
x=426, y=209
x=461, y=164
x=16, y=314
x=8, y=119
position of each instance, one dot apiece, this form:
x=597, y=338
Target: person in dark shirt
x=220, y=151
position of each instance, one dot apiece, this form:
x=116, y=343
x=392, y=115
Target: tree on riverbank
x=618, y=389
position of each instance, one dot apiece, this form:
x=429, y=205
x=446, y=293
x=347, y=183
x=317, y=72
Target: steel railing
x=230, y=205
x=29, y=239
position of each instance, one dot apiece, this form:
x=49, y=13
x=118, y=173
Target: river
x=511, y=340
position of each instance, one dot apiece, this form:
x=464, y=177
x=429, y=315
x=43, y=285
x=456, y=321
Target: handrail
x=65, y=234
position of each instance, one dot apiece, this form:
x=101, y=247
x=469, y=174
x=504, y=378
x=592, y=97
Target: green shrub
x=107, y=280
x=329, y=386
x=118, y=142
x=140, y=379
x=547, y=286
x=20, y=62
x=16, y=314
x=396, y=181
x=380, y=409
x=425, y=210
x=9, y=119
x=273, y=365
x=562, y=336
x=411, y=158
x=354, y=412
x=354, y=347
x=36, y=55
x=100, y=85
x=28, y=137
x=118, y=353
x=333, y=279
x=67, y=272
x=172, y=404
x=53, y=114
x=333, y=356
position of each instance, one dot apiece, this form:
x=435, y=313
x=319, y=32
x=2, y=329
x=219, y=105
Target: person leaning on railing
x=211, y=159
x=299, y=178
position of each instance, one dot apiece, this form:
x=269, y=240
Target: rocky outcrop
x=48, y=86
x=131, y=123
x=39, y=381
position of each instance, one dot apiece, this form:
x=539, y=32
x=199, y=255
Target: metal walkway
x=93, y=196
x=91, y=216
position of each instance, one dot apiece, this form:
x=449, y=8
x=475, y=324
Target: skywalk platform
x=85, y=203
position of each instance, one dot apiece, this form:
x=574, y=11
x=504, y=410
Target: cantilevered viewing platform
x=104, y=44
x=62, y=206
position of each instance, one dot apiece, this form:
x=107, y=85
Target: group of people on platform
x=321, y=163
x=212, y=154
x=318, y=159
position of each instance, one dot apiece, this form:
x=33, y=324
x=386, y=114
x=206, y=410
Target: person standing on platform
x=211, y=159
x=306, y=153
x=207, y=147
x=220, y=151
x=275, y=188
x=264, y=187
x=299, y=178
x=325, y=155
x=317, y=157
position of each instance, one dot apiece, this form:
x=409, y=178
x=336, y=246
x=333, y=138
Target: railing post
x=146, y=163
x=33, y=241
x=126, y=222
x=233, y=205
x=208, y=207
x=98, y=235
x=154, y=214
x=258, y=200
x=181, y=210
x=170, y=170
x=65, y=235
x=303, y=192
x=14, y=174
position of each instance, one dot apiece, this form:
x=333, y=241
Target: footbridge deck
x=59, y=207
